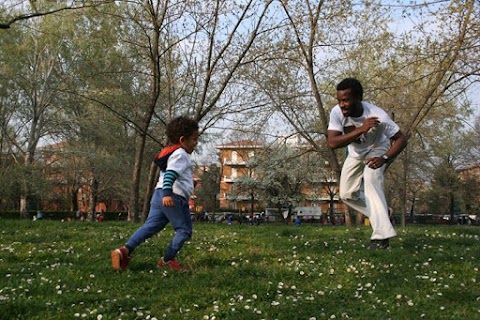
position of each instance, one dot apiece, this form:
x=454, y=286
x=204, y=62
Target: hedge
x=63, y=215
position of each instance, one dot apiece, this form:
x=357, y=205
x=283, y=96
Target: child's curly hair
x=181, y=126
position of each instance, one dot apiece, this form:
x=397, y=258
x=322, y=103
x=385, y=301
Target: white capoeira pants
x=362, y=189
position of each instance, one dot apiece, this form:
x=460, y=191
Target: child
x=170, y=199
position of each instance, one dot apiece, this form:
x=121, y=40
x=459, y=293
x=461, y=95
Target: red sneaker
x=120, y=258
x=172, y=264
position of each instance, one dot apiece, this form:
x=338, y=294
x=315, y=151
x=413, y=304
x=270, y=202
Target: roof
x=470, y=167
x=246, y=144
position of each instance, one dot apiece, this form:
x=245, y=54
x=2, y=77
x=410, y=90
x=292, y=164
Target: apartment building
x=236, y=158
x=236, y=163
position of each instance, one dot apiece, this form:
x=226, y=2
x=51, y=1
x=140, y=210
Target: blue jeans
x=158, y=217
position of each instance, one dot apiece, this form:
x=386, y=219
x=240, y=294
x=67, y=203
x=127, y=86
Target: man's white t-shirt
x=375, y=138
x=180, y=161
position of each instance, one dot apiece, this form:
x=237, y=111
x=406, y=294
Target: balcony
x=229, y=179
x=230, y=162
x=321, y=197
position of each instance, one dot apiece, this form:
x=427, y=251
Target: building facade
x=236, y=159
x=237, y=163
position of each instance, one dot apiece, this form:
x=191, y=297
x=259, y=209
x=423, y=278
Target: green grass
x=62, y=270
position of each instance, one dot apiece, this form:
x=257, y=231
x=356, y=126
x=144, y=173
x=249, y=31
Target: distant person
x=373, y=141
x=298, y=222
x=40, y=215
x=170, y=199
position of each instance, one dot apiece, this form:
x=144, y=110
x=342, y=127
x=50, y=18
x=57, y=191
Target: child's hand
x=168, y=201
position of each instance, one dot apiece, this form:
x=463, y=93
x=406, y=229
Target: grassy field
x=62, y=270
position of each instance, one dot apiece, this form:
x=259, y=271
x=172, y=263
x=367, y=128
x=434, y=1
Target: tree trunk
x=359, y=217
x=25, y=204
x=403, y=187
x=289, y=215
x=452, y=207
x=74, y=200
x=144, y=123
x=347, y=215
x=93, y=199
x=214, y=201
x=23, y=207
x=152, y=181
x=252, y=202
x=412, y=212
x=134, y=203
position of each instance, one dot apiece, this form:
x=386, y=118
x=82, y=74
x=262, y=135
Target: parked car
x=463, y=219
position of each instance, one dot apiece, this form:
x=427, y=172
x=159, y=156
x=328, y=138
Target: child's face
x=190, y=143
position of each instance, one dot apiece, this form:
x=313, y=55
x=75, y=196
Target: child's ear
x=181, y=140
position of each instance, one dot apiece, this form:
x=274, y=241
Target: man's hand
x=336, y=139
x=369, y=123
x=375, y=162
x=168, y=201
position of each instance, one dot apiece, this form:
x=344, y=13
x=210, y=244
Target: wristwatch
x=385, y=157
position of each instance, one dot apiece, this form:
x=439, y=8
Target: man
x=373, y=140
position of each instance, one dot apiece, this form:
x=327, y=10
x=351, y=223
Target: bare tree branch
x=27, y=16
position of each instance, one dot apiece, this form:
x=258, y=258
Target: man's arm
x=336, y=139
x=399, y=142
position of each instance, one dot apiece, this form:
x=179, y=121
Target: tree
x=447, y=154
x=247, y=187
x=287, y=174
x=210, y=188
x=437, y=71
x=31, y=65
x=146, y=62
x=74, y=102
x=206, y=52
x=96, y=96
x=467, y=148
x=175, y=46
x=295, y=74
x=422, y=72
x=470, y=195
x=35, y=10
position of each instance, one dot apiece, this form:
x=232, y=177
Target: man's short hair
x=354, y=85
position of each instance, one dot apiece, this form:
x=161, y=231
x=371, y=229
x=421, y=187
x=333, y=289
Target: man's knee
x=346, y=195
